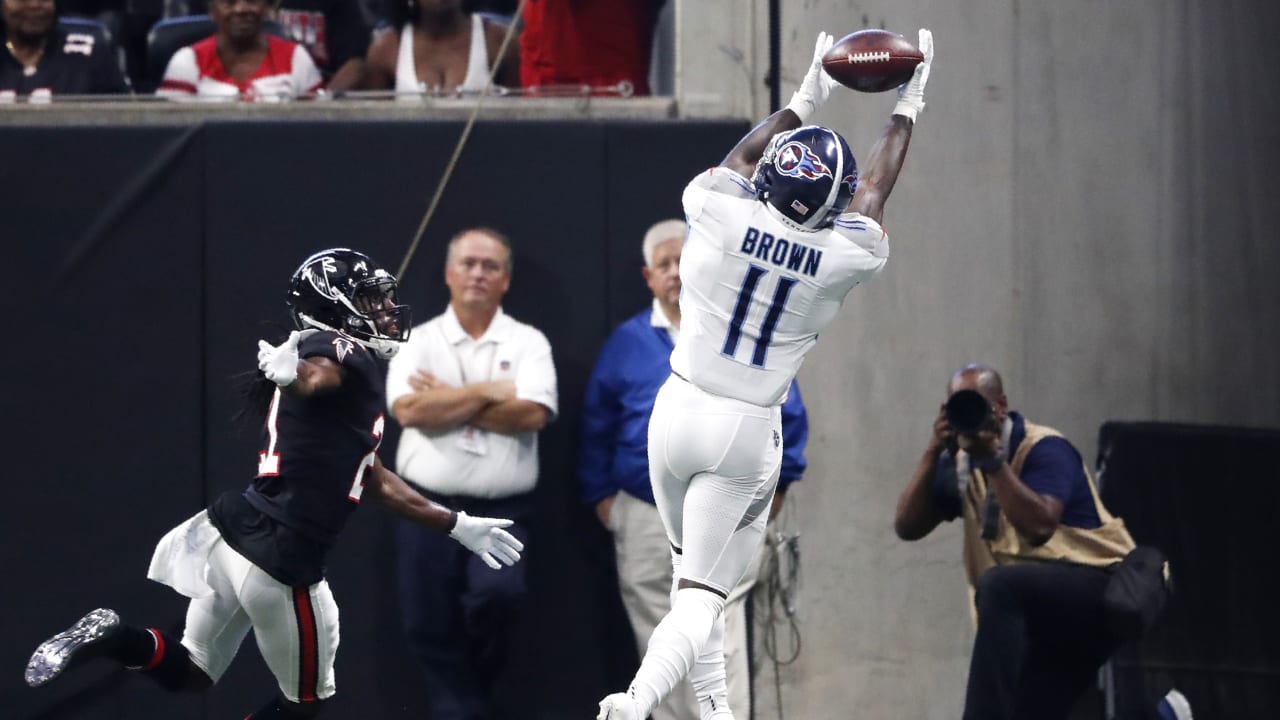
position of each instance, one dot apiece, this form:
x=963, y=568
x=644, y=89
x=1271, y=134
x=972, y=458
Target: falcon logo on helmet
x=806, y=177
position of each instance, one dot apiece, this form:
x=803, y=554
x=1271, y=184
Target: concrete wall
x=1087, y=205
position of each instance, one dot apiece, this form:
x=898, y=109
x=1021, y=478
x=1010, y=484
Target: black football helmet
x=807, y=175
x=345, y=291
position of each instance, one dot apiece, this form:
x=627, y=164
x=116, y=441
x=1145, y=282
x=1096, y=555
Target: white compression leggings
x=713, y=464
x=693, y=629
x=690, y=639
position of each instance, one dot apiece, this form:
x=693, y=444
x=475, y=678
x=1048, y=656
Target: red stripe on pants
x=307, y=679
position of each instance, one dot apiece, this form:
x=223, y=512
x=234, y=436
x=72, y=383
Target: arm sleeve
x=357, y=361
x=717, y=180
x=1053, y=468
x=180, y=76
x=863, y=232
x=306, y=76
x=536, y=375
x=601, y=416
x=795, y=435
x=348, y=34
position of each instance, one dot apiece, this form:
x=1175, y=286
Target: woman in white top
x=435, y=47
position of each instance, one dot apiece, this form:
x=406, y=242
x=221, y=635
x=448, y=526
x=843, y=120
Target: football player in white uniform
x=778, y=236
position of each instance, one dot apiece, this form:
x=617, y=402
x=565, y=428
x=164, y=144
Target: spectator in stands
x=604, y=44
x=1038, y=544
x=336, y=34
x=613, y=466
x=472, y=388
x=432, y=45
x=42, y=59
x=240, y=60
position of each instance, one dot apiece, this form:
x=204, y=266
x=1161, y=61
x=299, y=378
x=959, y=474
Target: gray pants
x=644, y=579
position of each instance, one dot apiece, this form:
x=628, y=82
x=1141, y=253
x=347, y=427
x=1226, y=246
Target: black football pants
x=1041, y=638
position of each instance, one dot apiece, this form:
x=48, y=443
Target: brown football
x=872, y=60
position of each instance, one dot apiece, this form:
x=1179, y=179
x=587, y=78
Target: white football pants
x=296, y=628
x=713, y=463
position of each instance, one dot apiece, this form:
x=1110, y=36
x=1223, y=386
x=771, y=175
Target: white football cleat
x=619, y=706
x=81, y=641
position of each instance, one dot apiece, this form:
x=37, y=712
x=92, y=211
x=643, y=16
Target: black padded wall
x=151, y=260
x=1206, y=496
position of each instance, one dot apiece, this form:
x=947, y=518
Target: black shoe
x=83, y=640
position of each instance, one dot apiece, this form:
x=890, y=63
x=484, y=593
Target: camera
x=968, y=411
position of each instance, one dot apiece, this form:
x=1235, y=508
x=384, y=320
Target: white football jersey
x=756, y=291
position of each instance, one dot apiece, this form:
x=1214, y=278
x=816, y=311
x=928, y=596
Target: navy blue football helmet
x=345, y=291
x=808, y=175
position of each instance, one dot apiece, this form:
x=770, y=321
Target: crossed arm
x=436, y=406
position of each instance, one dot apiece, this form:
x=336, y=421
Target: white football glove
x=911, y=94
x=486, y=538
x=817, y=84
x=280, y=364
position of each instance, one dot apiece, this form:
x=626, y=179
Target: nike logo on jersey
x=789, y=254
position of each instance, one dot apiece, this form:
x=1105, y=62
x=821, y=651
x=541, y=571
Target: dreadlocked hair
x=255, y=392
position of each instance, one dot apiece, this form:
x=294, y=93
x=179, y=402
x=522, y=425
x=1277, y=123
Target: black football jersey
x=74, y=63
x=312, y=461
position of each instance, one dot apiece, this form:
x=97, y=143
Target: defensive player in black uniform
x=256, y=558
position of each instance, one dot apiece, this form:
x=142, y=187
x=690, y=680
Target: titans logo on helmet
x=795, y=159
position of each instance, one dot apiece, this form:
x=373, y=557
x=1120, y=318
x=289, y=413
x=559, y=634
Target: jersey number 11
x=781, y=292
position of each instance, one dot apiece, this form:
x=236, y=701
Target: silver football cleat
x=55, y=654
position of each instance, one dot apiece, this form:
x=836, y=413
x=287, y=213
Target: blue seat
x=101, y=34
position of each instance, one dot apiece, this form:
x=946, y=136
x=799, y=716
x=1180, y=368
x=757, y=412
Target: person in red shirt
x=602, y=43
x=241, y=60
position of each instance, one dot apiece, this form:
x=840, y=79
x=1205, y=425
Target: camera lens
x=967, y=411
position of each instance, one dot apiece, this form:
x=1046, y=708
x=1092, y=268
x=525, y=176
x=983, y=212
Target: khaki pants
x=644, y=579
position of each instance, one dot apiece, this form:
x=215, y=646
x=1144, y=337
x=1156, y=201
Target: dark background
x=1207, y=497
x=144, y=263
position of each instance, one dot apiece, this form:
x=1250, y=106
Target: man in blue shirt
x=614, y=467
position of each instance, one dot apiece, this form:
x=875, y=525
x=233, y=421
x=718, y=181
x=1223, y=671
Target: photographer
x=1038, y=545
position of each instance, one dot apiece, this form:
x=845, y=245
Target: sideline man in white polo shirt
x=471, y=387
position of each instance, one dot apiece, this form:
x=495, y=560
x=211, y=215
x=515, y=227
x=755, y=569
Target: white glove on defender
x=280, y=364
x=911, y=94
x=486, y=538
x=817, y=84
